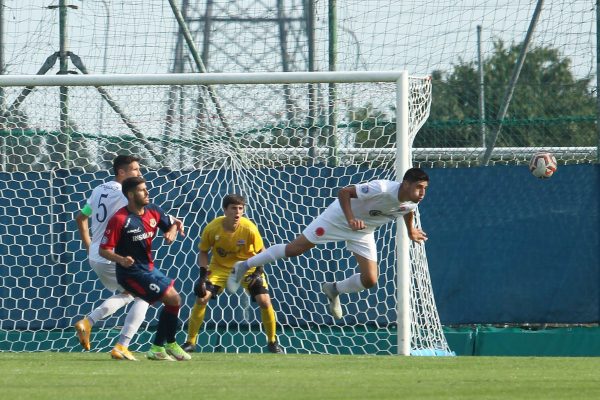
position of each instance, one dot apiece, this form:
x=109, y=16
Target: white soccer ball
x=543, y=165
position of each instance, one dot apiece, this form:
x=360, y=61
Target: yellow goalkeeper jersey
x=229, y=247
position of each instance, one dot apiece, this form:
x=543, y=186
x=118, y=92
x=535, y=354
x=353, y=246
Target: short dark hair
x=131, y=183
x=233, y=199
x=121, y=161
x=415, y=175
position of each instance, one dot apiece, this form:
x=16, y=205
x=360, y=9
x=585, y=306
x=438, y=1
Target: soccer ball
x=542, y=165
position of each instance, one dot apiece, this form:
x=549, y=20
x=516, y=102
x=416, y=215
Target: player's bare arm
x=203, y=260
x=114, y=257
x=84, y=231
x=415, y=234
x=344, y=196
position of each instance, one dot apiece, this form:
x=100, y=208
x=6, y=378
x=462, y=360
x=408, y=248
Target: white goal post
x=286, y=141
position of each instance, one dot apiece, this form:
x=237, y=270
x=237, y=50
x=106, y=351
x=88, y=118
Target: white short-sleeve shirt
x=376, y=204
x=105, y=200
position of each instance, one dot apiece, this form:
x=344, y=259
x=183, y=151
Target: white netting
x=142, y=36
x=553, y=105
x=281, y=151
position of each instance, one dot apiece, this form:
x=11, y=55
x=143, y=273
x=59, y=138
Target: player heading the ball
x=353, y=218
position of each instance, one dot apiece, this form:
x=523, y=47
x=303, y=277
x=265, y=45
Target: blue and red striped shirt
x=131, y=235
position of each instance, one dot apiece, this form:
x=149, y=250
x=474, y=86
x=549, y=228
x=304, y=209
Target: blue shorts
x=148, y=285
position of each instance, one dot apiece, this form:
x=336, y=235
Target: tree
x=550, y=107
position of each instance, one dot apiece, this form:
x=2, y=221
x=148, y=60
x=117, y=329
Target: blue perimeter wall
x=503, y=246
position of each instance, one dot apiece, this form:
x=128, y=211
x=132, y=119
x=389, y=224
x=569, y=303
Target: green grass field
x=267, y=376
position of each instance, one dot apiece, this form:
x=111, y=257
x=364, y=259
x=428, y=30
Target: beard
x=141, y=202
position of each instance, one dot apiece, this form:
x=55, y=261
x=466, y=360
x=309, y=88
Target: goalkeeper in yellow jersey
x=230, y=238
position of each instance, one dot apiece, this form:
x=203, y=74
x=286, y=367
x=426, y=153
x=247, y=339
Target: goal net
x=285, y=141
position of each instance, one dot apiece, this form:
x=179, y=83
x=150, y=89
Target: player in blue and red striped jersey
x=127, y=241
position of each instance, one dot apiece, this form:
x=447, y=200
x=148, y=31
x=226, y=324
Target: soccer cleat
x=335, y=308
x=237, y=274
x=120, y=352
x=188, y=347
x=83, y=328
x=158, y=353
x=275, y=348
x=175, y=351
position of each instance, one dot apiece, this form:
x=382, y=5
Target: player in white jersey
x=353, y=218
x=105, y=200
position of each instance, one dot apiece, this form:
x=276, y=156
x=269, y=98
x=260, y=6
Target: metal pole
x=285, y=58
x=346, y=141
x=76, y=60
x=481, y=87
x=104, y=62
x=598, y=79
x=312, y=89
x=199, y=63
x=207, y=31
x=309, y=10
x=64, y=90
x=332, y=142
x=178, y=67
x=206, y=39
x=2, y=98
x=513, y=82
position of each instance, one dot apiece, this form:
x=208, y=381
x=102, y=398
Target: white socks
x=109, y=306
x=135, y=317
x=350, y=285
x=268, y=255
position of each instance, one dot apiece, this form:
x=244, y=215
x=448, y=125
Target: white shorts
x=108, y=275
x=322, y=230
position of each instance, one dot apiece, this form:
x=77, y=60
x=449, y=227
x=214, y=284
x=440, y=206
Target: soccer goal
x=286, y=141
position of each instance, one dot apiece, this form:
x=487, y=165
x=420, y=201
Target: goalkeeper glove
x=200, y=287
x=255, y=279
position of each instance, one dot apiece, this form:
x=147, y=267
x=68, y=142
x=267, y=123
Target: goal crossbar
x=200, y=79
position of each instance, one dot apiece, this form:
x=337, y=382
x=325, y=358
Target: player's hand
x=127, y=262
x=170, y=236
x=179, y=224
x=417, y=235
x=357, y=224
x=200, y=289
